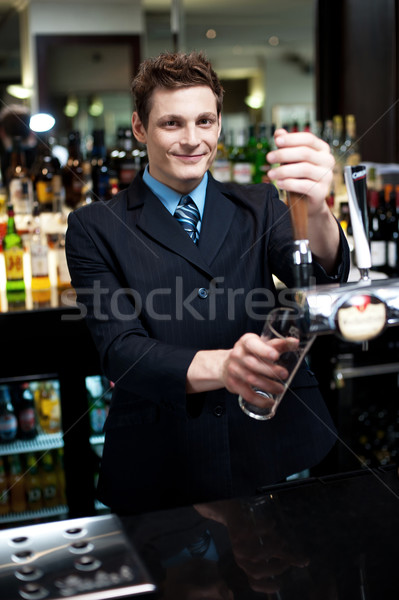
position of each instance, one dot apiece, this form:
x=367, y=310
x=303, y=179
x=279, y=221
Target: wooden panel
x=358, y=71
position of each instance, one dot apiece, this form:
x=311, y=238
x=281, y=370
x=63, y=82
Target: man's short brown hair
x=173, y=70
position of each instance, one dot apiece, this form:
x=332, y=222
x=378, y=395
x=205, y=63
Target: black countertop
x=334, y=538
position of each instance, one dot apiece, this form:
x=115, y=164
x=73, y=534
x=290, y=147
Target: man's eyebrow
x=169, y=118
x=172, y=117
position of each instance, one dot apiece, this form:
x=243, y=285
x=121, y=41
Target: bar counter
x=331, y=538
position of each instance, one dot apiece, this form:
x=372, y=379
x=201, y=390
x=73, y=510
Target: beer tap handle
x=355, y=181
x=302, y=256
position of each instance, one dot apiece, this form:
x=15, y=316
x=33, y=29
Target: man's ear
x=138, y=129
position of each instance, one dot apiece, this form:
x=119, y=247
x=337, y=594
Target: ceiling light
x=96, y=107
x=41, y=122
x=255, y=100
x=273, y=40
x=211, y=34
x=71, y=108
x=19, y=91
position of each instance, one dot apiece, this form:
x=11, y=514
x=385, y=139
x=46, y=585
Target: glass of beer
x=282, y=322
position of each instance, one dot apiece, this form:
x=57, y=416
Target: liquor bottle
x=337, y=145
x=328, y=132
x=87, y=184
x=126, y=160
x=392, y=233
x=377, y=222
x=242, y=168
x=49, y=408
x=33, y=488
x=8, y=419
x=16, y=482
x=49, y=481
x=221, y=165
x=72, y=172
x=96, y=401
x=14, y=260
x=63, y=277
x=60, y=472
x=26, y=413
x=46, y=177
x=352, y=153
x=38, y=247
x=99, y=167
x=261, y=166
x=20, y=189
x=4, y=490
x=337, y=141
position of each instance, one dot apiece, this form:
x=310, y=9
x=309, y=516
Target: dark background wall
x=357, y=71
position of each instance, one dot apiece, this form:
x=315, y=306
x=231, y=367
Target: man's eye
x=206, y=121
x=170, y=123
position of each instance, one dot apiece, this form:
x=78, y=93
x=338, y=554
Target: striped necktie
x=188, y=215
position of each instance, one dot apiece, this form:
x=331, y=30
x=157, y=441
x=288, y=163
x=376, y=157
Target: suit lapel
x=160, y=225
x=218, y=216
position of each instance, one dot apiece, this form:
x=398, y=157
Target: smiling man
x=176, y=277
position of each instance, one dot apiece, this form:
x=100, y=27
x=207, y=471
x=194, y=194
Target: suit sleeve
x=130, y=358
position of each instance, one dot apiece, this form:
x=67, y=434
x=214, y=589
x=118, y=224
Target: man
x=176, y=319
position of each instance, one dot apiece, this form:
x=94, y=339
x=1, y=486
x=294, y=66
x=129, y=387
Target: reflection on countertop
x=318, y=539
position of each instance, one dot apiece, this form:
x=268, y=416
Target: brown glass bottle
x=72, y=172
x=20, y=190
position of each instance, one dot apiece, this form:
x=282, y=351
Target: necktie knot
x=188, y=216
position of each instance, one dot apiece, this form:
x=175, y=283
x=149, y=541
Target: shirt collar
x=170, y=199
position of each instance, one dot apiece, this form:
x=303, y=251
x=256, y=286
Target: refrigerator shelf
x=34, y=515
x=43, y=441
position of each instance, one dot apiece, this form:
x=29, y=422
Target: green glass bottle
x=14, y=260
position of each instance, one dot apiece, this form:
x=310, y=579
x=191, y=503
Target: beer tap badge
x=361, y=317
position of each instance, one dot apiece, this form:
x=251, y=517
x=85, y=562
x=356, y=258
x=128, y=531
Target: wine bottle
x=39, y=254
x=46, y=177
x=261, y=166
x=72, y=172
x=17, y=486
x=99, y=167
x=20, y=189
x=14, y=260
x=242, y=168
x=377, y=231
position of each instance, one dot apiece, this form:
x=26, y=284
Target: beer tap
x=302, y=256
x=360, y=311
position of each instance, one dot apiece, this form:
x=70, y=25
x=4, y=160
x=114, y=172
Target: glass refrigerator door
x=32, y=476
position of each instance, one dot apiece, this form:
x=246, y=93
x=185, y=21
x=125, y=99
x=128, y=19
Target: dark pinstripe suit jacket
x=153, y=299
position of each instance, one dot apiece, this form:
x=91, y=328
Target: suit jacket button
x=203, y=293
x=218, y=410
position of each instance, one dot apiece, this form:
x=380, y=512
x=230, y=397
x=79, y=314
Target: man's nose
x=190, y=135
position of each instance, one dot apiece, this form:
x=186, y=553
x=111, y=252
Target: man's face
x=181, y=136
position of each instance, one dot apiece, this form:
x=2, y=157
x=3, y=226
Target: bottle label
x=97, y=419
x=221, y=170
x=242, y=173
x=21, y=195
x=14, y=259
x=34, y=495
x=62, y=267
x=44, y=192
x=39, y=259
x=8, y=427
x=392, y=254
x=49, y=491
x=27, y=420
x=4, y=498
x=378, y=251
